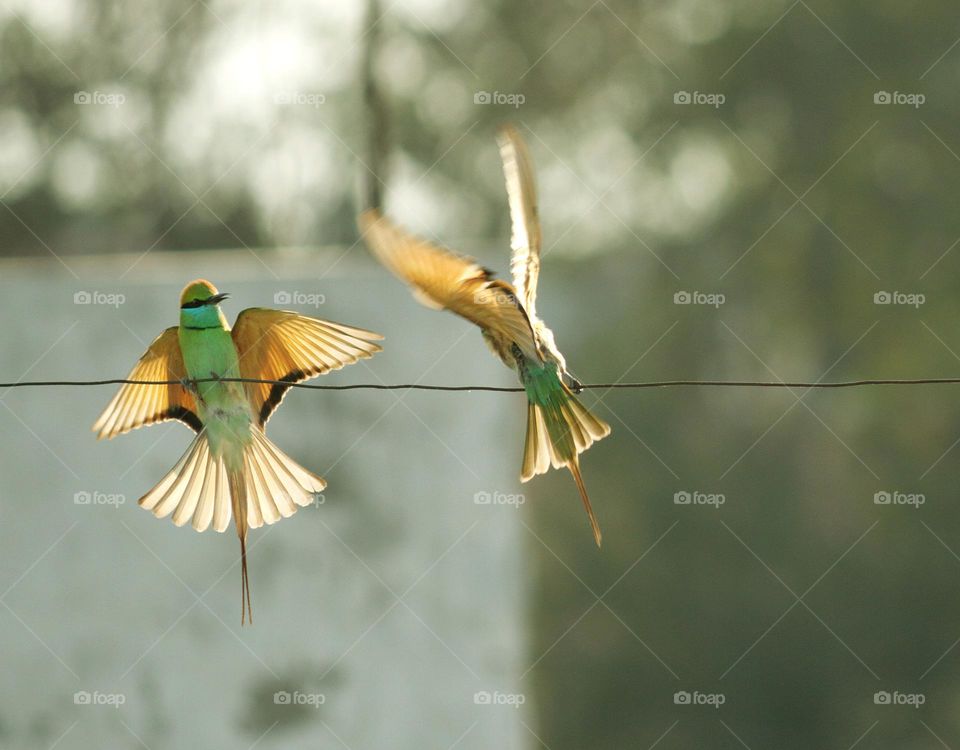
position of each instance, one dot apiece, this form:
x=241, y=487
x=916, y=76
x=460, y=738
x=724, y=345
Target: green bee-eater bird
x=231, y=467
x=559, y=427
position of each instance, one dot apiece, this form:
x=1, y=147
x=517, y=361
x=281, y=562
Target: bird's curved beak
x=216, y=299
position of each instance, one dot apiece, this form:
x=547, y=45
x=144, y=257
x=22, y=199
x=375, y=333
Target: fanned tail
x=207, y=489
x=559, y=428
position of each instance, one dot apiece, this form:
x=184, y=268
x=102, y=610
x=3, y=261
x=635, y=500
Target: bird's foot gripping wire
x=573, y=384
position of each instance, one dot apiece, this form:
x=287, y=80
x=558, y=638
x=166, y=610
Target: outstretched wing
x=282, y=345
x=444, y=280
x=138, y=405
x=525, y=238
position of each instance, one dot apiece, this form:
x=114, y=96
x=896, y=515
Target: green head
x=200, y=305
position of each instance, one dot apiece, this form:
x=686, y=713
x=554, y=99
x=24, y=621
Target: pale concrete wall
x=102, y=598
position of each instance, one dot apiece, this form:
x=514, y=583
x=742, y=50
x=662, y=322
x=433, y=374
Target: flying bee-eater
x=230, y=468
x=559, y=427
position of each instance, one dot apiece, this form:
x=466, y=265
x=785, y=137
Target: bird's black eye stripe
x=214, y=299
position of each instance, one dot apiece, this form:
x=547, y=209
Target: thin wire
x=498, y=389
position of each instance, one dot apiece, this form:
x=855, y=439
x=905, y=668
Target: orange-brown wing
x=444, y=280
x=138, y=405
x=525, y=237
x=282, y=345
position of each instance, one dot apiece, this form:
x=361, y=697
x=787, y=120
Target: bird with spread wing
x=230, y=468
x=559, y=427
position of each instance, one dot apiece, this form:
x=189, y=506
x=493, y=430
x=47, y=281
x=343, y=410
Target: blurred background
x=728, y=190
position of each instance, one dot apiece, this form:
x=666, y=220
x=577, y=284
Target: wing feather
x=442, y=279
x=138, y=405
x=283, y=345
x=525, y=238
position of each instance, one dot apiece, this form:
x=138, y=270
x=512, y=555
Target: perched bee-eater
x=231, y=467
x=559, y=427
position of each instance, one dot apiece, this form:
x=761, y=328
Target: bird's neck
x=201, y=318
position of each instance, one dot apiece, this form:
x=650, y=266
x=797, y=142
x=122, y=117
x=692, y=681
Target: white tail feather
x=576, y=428
x=197, y=489
x=540, y=453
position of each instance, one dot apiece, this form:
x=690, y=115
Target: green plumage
x=545, y=389
x=209, y=351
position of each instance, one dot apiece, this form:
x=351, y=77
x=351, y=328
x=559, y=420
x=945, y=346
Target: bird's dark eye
x=193, y=303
